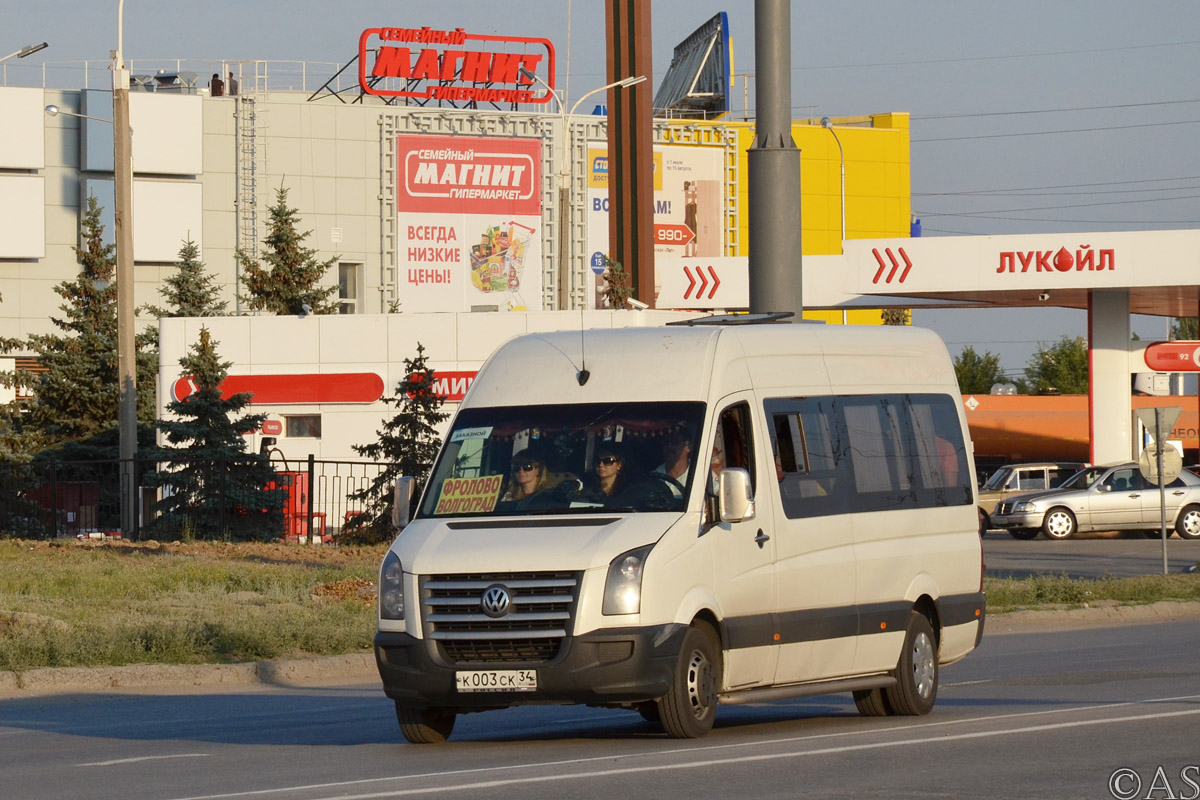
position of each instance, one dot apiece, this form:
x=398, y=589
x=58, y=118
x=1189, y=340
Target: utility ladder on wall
x=250, y=154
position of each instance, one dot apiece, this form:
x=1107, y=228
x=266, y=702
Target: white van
x=792, y=513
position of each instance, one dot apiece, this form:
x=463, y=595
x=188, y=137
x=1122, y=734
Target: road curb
x=285, y=672
x=1099, y=616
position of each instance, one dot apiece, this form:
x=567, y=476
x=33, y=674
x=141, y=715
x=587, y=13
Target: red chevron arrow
x=716, y=282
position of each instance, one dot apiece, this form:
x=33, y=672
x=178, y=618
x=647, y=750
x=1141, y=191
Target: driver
x=677, y=455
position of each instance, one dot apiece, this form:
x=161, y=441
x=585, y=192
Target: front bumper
x=1026, y=520
x=605, y=667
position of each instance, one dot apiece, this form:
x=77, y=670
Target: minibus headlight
x=623, y=586
x=391, y=588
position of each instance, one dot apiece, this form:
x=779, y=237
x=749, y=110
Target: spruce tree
x=408, y=443
x=292, y=276
x=190, y=291
x=214, y=488
x=74, y=408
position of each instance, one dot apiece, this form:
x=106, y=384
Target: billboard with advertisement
x=689, y=206
x=469, y=217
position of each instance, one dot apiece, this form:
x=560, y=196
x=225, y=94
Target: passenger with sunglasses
x=528, y=475
x=610, y=467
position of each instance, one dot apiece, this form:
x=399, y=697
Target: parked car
x=1014, y=479
x=1105, y=498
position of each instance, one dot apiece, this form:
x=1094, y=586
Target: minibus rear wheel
x=425, y=725
x=689, y=707
x=917, y=673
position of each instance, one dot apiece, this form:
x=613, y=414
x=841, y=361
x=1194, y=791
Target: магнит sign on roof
x=454, y=66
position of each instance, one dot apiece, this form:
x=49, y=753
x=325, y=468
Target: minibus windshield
x=560, y=459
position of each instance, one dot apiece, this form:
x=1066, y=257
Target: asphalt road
x=1027, y=715
x=1087, y=556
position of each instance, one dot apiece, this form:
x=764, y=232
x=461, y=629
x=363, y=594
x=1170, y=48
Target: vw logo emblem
x=496, y=601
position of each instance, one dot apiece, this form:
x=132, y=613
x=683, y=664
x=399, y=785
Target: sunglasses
x=609, y=460
x=527, y=467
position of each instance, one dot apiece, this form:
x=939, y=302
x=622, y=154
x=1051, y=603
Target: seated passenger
x=528, y=475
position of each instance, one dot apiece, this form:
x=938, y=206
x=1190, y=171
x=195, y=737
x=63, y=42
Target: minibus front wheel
x=425, y=725
x=688, y=709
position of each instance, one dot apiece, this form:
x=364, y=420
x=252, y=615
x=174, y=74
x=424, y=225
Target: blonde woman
x=528, y=475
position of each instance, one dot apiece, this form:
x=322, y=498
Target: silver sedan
x=1103, y=499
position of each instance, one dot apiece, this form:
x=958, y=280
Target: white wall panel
x=167, y=132
x=23, y=144
x=22, y=216
x=165, y=213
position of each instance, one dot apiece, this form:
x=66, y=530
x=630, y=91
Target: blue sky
x=1027, y=117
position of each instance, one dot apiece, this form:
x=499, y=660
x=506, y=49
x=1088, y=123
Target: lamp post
x=565, y=176
x=827, y=124
x=123, y=224
x=27, y=50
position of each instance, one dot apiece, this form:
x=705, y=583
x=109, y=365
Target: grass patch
x=74, y=604
x=71, y=604
x=1014, y=594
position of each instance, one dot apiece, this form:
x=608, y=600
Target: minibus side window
x=941, y=451
x=733, y=445
x=808, y=443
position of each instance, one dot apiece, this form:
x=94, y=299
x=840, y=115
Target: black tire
x=917, y=673
x=1187, y=524
x=689, y=707
x=425, y=725
x=1059, y=523
x=1024, y=534
x=872, y=703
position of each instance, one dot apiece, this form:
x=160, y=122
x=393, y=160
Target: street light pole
x=827, y=124
x=126, y=344
x=565, y=177
x=27, y=50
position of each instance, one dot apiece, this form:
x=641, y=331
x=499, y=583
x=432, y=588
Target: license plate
x=496, y=680
x=999, y=520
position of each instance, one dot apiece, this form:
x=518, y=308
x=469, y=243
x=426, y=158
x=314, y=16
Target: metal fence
x=60, y=499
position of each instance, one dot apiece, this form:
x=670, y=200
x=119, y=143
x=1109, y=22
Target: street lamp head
x=826, y=122
x=52, y=111
x=527, y=75
x=30, y=49
x=625, y=83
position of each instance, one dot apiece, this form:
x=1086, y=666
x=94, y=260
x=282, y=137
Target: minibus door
x=743, y=553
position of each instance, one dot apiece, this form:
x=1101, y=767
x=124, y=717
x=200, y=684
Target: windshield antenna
x=583, y=375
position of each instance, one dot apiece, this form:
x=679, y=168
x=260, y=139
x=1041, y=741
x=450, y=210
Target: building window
x=303, y=426
x=349, y=278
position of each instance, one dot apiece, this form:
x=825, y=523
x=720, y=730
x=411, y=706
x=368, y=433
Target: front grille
x=1005, y=508
x=538, y=620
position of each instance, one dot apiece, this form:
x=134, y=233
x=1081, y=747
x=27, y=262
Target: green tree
x=215, y=489
x=190, y=291
x=1184, y=328
x=408, y=443
x=896, y=316
x=292, y=276
x=617, y=290
x=76, y=395
x=977, y=373
x=1062, y=366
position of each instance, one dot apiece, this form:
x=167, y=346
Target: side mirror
x=735, y=495
x=402, y=500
